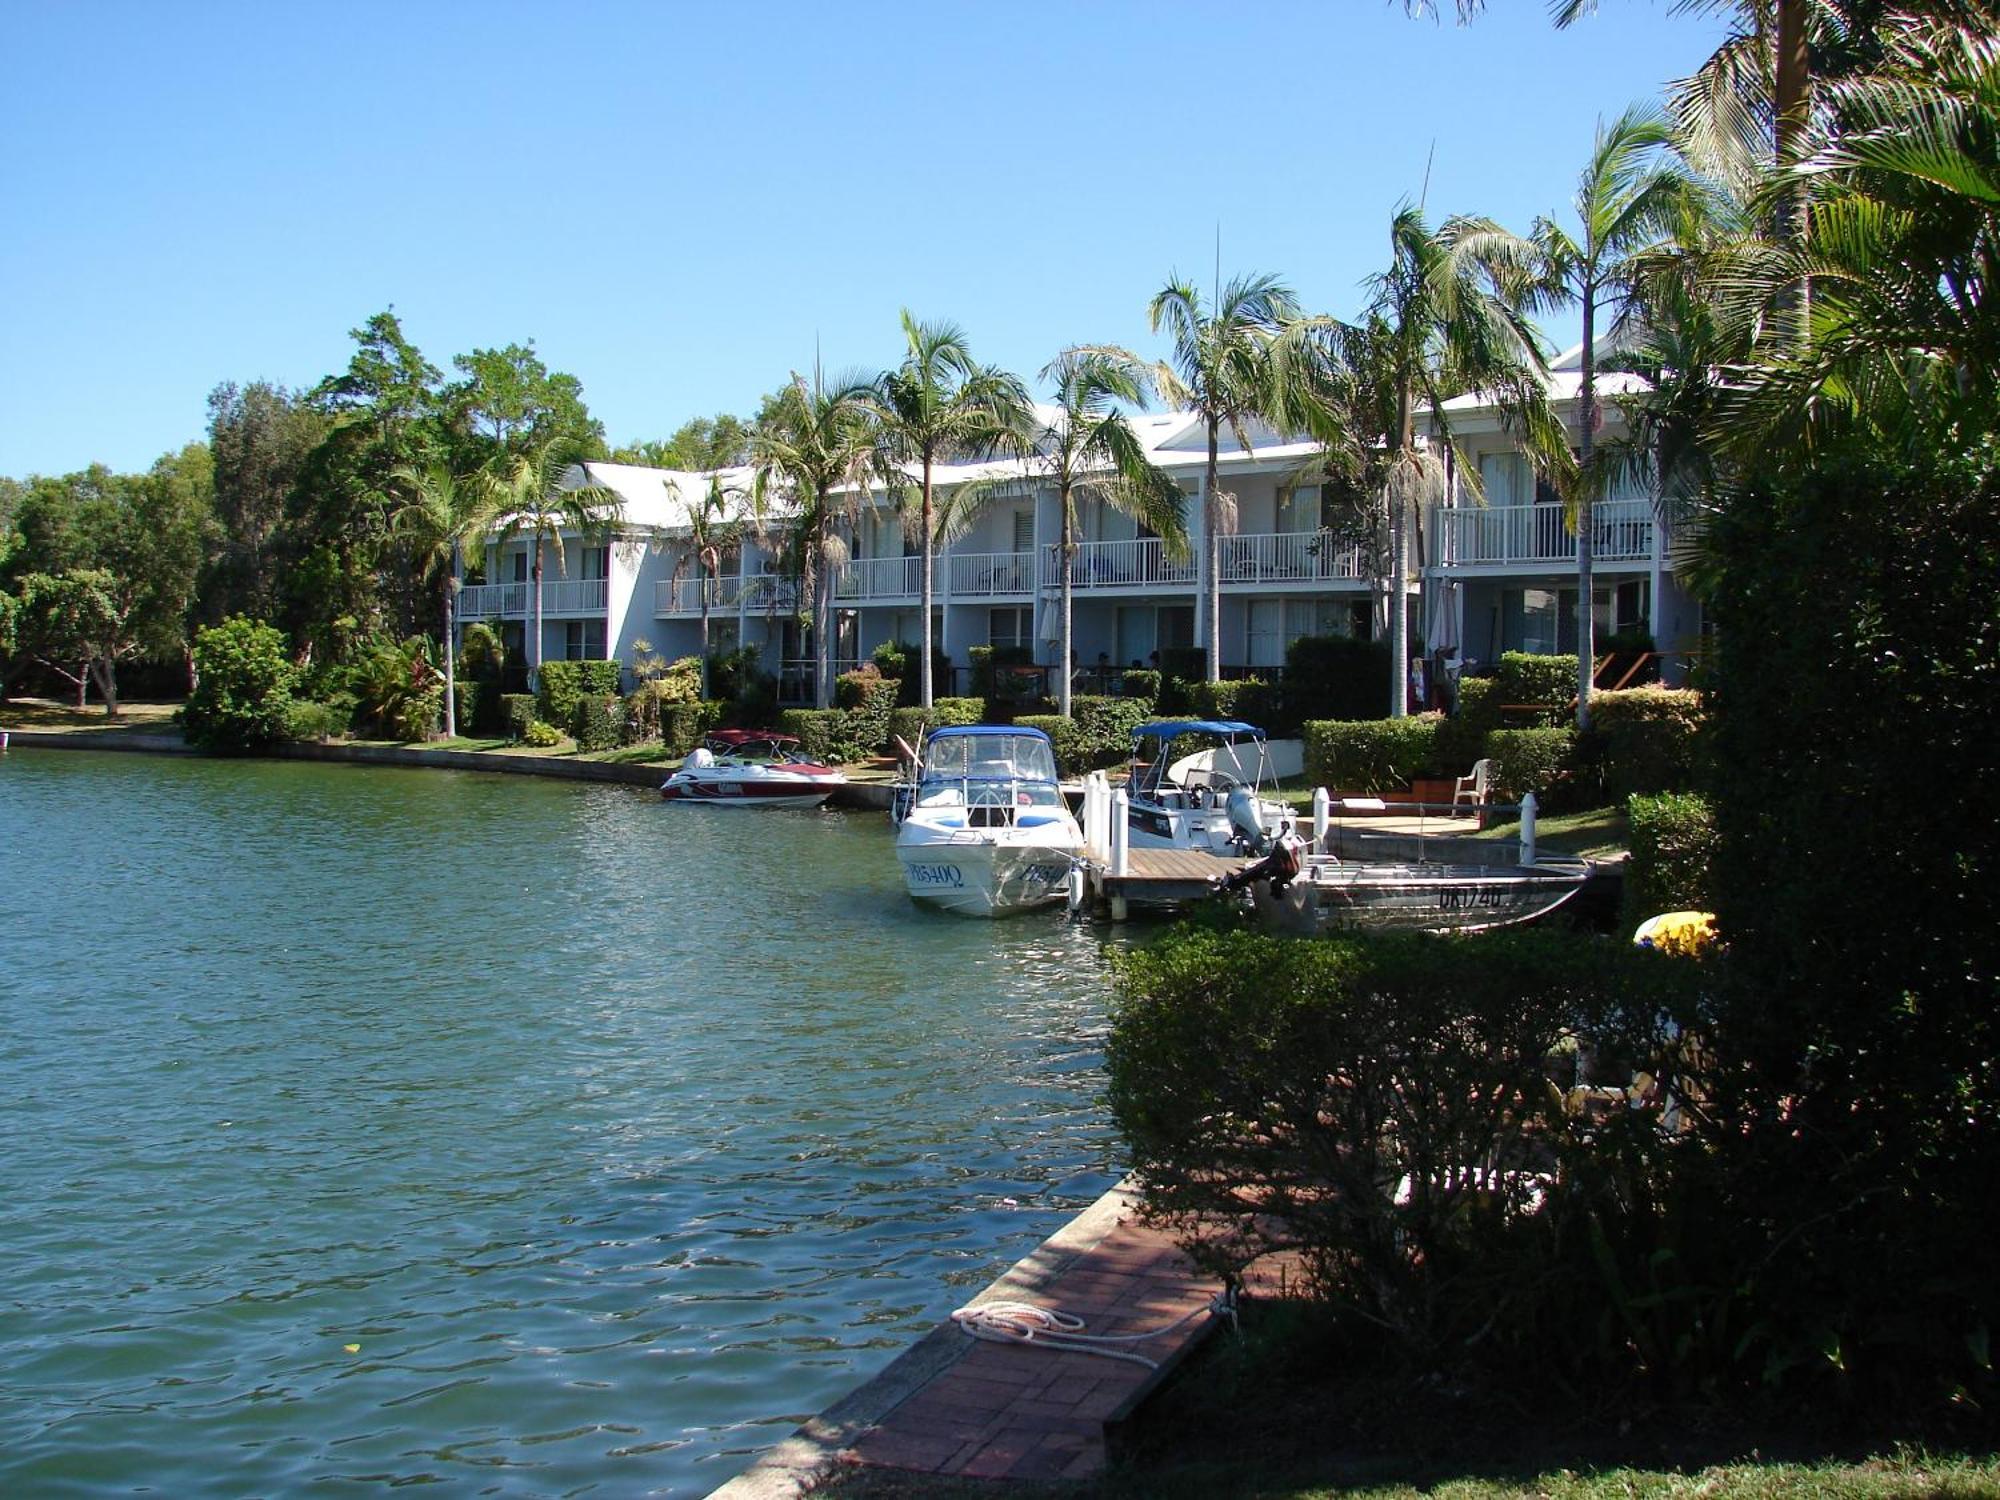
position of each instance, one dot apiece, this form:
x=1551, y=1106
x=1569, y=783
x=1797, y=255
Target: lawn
x=1599, y=833
x=47, y=716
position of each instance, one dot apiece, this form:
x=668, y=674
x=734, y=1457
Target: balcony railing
x=988, y=575
x=1502, y=535
x=1134, y=564
x=1288, y=557
x=682, y=596
x=880, y=578
x=516, y=601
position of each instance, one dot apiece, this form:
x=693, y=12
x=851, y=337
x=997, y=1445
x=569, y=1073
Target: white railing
x=1487, y=536
x=516, y=601
x=682, y=596
x=1118, y=565
x=1287, y=557
x=880, y=578
x=977, y=575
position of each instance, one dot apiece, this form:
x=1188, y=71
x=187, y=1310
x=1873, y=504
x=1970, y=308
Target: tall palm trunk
x=1211, y=558
x=703, y=576
x=450, y=653
x=929, y=671
x=1586, y=612
x=1065, y=553
x=822, y=613
x=535, y=645
x=1399, y=608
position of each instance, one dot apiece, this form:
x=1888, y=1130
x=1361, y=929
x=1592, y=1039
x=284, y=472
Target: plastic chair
x=1474, y=788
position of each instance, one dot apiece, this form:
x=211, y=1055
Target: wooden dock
x=1155, y=878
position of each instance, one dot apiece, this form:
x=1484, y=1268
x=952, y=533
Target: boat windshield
x=989, y=757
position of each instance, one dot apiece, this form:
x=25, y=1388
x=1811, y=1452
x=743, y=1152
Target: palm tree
x=1090, y=451
x=711, y=529
x=816, y=444
x=529, y=494
x=1630, y=199
x=1219, y=368
x=436, y=514
x=937, y=406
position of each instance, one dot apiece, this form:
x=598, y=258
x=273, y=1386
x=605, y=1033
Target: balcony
x=1501, y=536
x=880, y=578
x=516, y=601
x=1288, y=557
x=1139, y=564
x=992, y=575
x=682, y=596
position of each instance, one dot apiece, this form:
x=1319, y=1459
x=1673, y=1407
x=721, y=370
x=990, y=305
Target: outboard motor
x=1247, y=822
x=697, y=758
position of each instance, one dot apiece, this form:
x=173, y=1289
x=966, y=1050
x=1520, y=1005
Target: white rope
x=1052, y=1328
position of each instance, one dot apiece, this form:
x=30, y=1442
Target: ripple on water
x=616, y=1136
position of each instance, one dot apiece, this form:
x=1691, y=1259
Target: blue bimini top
x=1227, y=728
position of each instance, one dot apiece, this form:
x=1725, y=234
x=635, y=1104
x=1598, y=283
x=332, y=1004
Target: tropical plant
x=939, y=406
x=1090, y=452
x=398, y=687
x=815, y=446
x=712, y=527
x=532, y=492
x=437, y=513
x=1220, y=368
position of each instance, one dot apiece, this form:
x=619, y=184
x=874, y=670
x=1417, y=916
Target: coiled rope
x=1052, y=1328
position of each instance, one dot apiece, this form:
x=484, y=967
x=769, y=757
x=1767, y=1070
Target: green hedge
x=1250, y=699
x=1103, y=733
x=477, y=706
x=1673, y=846
x=314, y=722
x=1651, y=737
x=245, y=681
x=1333, y=677
x=868, y=698
x=1369, y=755
x=682, y=725
x=945, y=713
x=1546, y=684
x=517, y=712
x=1062, y=737
x=562, y=683
x=598, y=722
x=1532, y=760
x=1139, y=682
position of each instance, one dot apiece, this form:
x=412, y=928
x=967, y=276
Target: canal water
x=365, y=1128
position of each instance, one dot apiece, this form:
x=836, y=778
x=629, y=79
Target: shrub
x=944, y=713
x=1250, y=699
x=599, y=721
x=476, y=705
x=682, y=725
x=562, y=683
x=1139, y=682
x=517, y=712
x=1103, y=731
x=1532, y=760
x=869, y=699
x=243, y=692
x=542, y=736
x=1334, y=677
x=821, y=732
x=987, y=682
x=1189, y=663
x=1369, y=755
x=1540, y=688
x=313, y=722
x=1062, y=738
x=1673, y=851
x=1650, y=737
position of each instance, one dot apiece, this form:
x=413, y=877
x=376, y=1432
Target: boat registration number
x=936, y=875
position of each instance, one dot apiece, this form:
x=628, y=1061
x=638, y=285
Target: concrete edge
x=97, y=739
x=798, y=1463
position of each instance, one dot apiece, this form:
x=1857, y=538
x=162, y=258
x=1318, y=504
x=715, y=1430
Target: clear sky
x=674, y=201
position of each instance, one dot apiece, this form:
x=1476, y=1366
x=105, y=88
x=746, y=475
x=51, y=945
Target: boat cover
x=1172, y=727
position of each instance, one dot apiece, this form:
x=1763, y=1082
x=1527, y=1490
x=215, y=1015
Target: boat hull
x=985, y=879
x=768, y=791
x=1414, y=897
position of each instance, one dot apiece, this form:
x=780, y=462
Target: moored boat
x=986, y=831
x=1218, y=797
x=1328, y=893
x=751, y=768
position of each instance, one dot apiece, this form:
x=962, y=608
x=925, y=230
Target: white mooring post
x=1092, y=791
x=1121, y=832
x=1528, y=829
x=1322, y=816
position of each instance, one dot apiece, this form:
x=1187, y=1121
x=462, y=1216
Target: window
x=1024, y=531
x=1300, y=509
x=1176, y=628
x=1530, y=620
x=521, y=566
x=593, y=562
x=1504, y=477
x=583, y=640
x=722, y=635
x=1010, y=627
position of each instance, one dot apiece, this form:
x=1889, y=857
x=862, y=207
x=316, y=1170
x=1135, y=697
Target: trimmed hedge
x=1546, y=683
x=682, y=725
x=944, y=713
x=562, y=683
x=1250, y=699
x=1673, y=846
x=1369, y=755
x=1333, y=677
x=1651, y=739
x=517, y=712
x=1062, y=736
x=1532, y=760
x=542, y=736
x=1103, y=733
x=1140, y=682
x=316, y=722
x=869, y=699
x=478, y=707
x=598, y=722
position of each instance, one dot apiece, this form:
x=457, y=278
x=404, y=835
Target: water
x=618, y=1137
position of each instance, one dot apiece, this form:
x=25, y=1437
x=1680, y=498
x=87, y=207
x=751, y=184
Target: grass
x=48, y=716
x=1599, y=833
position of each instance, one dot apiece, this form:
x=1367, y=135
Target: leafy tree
x=1220, y=367
x=815, y=447
x=439, y=512
x=1089, y=451
x=713, y=523
x=939, y=406
x=64, y=620
x=698, y=445
x=260, y=438
x=508, y=400
x=535, y=493
x=243, y=687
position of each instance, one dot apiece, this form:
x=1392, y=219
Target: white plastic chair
x=1474, y=788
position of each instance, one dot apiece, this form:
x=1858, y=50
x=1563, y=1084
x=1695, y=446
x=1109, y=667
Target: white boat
x=986, y=831
x=751, y=768
x=1219, y=796
x=1328, y=892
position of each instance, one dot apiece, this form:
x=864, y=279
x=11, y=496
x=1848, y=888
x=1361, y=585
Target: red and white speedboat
x=751, y=768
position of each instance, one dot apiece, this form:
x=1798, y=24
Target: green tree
x=78, y=625
x=439, y=512
x=1220, y=367
x=1089, y=451
x=508, y=400
x=714, y=523
x=940, y=406
x=260, y=438
x=244, y=679
x=537, y=493
x=815, y=448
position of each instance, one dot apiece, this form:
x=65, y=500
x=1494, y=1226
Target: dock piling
x=1322, y=816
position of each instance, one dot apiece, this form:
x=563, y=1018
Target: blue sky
x=675, y=201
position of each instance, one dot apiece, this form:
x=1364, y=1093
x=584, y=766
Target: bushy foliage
x=517, y=712
x=562, y=683
x=542, y=736
x=902, y=661
x=1400, y=1111
x=313, y=722
x=1250, y=699
x=478, y=706
x=1369, y=755
x=1333, y=677
x=399, y=688
x=1188, y=663
x=1533, y=760
x=1062, y=738
x=736, y=678
x=1673, y=853
x=944, y=713
x=1650, y=736
x=682, y=725
x=1139, y=682
x=1538, y=689
x=599, y=721
x=243, y=692
x=1102, y=733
